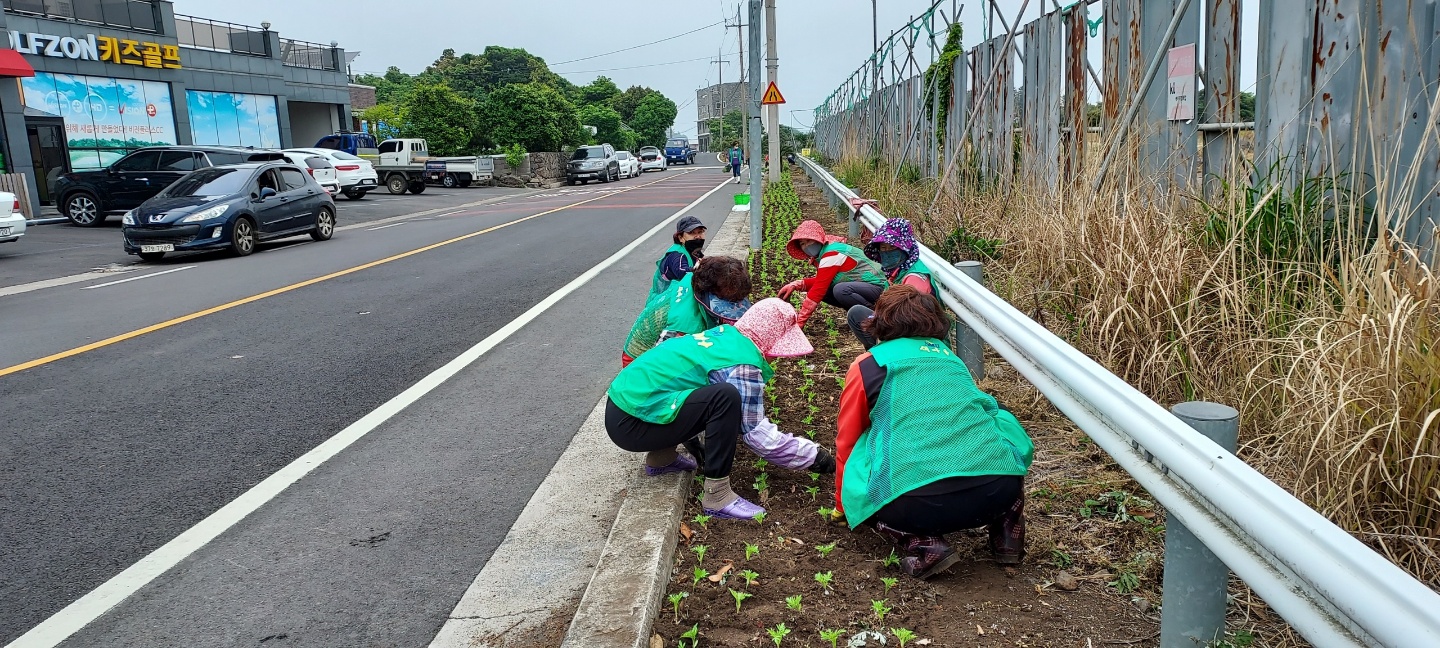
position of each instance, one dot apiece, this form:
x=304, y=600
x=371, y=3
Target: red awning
x=14, y=65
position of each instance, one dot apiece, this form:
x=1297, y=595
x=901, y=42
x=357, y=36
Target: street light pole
x=756, y=180
x=874, y=47
x=772, y=62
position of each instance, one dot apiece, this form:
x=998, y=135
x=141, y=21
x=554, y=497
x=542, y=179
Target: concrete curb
x=623, y=598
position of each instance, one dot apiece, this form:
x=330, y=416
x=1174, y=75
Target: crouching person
x=920, y=450
x=713, y=293
x=705, y=391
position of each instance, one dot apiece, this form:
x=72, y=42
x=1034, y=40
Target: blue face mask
x=892, y=259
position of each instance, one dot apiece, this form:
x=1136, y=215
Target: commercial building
x=712, y=103
x=94, y=79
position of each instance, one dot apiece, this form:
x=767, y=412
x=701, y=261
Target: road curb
x=623, y=597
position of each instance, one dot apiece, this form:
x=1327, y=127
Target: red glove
x=788, y=289
x=806, y=310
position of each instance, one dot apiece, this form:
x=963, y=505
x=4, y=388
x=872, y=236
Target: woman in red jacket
x=844, y=276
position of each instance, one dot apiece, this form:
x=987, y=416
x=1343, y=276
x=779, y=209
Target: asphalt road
x=130, y=418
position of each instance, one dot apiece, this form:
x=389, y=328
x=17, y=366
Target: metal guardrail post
x=968, y=344
x=1193, y=604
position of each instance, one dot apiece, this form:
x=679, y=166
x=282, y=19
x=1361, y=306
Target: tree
x=533, y=115
x=721, y=141
x=609, y=129
x=626, y=102
x=387, y=120
x=444, y=117
x=393, y=87
x=601, y=91
x=653, y=117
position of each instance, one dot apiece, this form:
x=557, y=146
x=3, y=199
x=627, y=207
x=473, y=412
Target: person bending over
x=844, y=277
x=895, y=249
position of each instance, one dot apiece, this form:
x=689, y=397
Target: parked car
x=231, y=207
x=353, y=143
x=595, y=162
x=12, y=222
x=651, y=159
x=679, y=151
x=319, y=168
x=85, y=197
x=357, y=175
x=629, y=164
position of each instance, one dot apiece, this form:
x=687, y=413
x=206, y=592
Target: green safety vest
x=919, y=268
x=654, y=387
x=676, y=309
x=930, y=423
x=866, y=269
x=659, y=283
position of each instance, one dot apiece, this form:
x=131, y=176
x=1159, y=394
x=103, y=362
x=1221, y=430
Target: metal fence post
x=968, y=344
x=1193, y=604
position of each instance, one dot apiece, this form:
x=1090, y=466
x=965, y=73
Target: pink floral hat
x=770, y=324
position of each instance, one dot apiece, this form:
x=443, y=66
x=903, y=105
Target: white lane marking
x=59, y=627
x=59, y=281
x=153, y=274
x=371, y=229
x=451, y=213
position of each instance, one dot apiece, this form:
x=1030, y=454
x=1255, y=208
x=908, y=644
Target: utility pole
x=772, y=63
x=756, y=181
x=720, y=89
x=745, y=105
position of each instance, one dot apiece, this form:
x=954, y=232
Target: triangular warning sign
x=772, y=95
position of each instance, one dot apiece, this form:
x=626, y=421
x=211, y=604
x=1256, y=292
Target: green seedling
x=812, y=490
x=693, y=634
x=700, y=553
x=891, y=560
x=760, y=517
x=814, y=477
x=824, y=579
x=702, y=520
x=825, y=512
x=739, y=598
x=778, y=633
x=793, y=602
x=675, y=600
x=762, y=482
x=749, y=576
x=700, y=573
x=810, y=433
x=825, y=549
x=880, y=610
x=1126, y=582
x=760, y=464
x=902, y=635
x=889, y=583
x=832, y=636
x=1060, y=559
x=751, y=550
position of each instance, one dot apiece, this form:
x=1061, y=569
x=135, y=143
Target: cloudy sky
x=820, y=42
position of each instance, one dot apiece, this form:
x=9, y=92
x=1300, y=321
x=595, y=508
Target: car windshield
x=588, y=153
x=679, y=143
x=214, y=182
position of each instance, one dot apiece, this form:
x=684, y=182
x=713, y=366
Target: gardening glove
x=806, y=310
x=789, y=289
x=837, y=518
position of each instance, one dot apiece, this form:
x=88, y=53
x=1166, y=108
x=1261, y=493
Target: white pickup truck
x=405, y=165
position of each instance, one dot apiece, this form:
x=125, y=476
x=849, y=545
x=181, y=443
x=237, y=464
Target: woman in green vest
x=895, y=249
x=920, y=450
x=704, y=391
x=681, y=256
x=844, y=277
x=713, y=293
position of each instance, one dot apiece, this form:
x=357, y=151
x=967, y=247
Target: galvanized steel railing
x=1330, y=587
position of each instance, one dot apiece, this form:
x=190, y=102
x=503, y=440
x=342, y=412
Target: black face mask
x=694, y=245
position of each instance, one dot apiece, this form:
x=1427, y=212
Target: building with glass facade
x=94, y=79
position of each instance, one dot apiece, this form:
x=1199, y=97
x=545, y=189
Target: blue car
x=679, y=151
x=352, y=143
x=229, y=208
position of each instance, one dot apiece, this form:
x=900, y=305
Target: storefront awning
x=14, y=65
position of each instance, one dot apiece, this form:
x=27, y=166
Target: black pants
x=708, y=423
x=856, y=317
x=853, y=293
x=951, y=505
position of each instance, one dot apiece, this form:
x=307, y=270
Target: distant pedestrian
x=844, y=276
x=737, y=158
x=680, y=257
x=920, y=450
x=895, y=249
x=705, y=390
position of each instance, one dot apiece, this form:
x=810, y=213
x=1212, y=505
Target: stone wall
x=539, y=171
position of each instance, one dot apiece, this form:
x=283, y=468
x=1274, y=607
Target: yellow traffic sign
x=772, y=95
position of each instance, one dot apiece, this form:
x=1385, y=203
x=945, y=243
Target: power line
x=640, y=46
x=634, y=67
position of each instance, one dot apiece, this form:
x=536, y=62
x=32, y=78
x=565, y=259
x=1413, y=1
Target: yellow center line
x=296, y=286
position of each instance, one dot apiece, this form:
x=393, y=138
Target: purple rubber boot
x=740, y=509
x=681, y=463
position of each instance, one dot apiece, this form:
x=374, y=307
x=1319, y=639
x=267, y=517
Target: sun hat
x=770, y=324
x=809, y=231
x=687, y=224
x=899, y=234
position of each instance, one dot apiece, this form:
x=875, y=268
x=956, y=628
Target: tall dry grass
x=1276, y=299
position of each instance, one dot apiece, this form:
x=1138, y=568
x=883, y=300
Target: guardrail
x=221, y=36
x=1330, y=587
x=315, y=56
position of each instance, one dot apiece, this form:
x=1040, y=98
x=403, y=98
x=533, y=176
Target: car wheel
x=466, y=180
x=397, y=184
x=151, y=256
x=324, y=225
x=603, y=177
x=242, y=237
x=417, y=187
x=83, y=209
x=570, y=181
x=449, y=181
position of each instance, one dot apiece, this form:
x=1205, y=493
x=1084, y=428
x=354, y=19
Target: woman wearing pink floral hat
x=844, y=276
x=706, y=390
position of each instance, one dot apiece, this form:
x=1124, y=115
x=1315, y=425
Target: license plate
x=163, y=247
x=367, y=181
x=4, y=231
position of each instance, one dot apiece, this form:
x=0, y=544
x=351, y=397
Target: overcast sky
x=820, y=42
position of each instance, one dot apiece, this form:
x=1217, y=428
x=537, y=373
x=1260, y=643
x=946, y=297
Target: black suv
x=85, y=197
